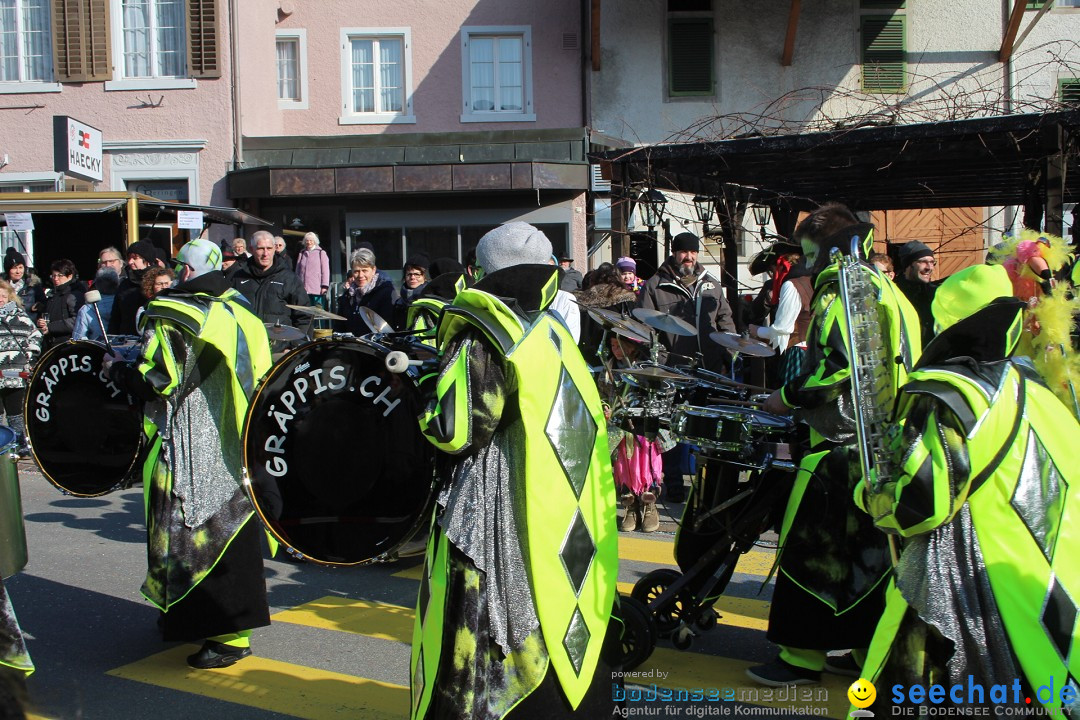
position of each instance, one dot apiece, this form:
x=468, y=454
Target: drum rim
x=249, y=490
x=26, y=414
x=739, y=413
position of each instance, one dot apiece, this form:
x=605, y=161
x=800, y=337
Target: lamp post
x=704, y=206
x=652, y=203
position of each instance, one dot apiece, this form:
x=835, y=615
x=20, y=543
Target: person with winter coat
x=141, y=256
x=26, y=285
x=268, y=284
x=366, y=287
x=313, y=269
x=62, y=303
x=87, y=324
x=20, y=346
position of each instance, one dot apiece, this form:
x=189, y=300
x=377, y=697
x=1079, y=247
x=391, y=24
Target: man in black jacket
x=268, y=284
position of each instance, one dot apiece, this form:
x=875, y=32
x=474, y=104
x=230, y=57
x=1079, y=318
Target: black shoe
x=217, y=655
x=780, y=674
x=843, y=665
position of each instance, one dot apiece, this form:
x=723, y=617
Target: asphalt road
x=339, y=643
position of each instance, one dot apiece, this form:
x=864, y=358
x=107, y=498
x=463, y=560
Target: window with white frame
x=496, y=69
x=376, y=76
x=153, y=38
x=25, y=51
x=292, y=69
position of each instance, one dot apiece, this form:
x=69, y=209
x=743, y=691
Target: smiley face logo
x=862, y=693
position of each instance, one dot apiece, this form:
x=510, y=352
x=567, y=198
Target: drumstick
x=93, y=297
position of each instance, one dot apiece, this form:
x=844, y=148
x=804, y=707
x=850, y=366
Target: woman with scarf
x=366, y=287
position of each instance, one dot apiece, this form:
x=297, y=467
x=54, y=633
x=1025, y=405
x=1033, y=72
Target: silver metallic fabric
x=835, y=421
x=202, y=478
x=960, y=606
x=484, y=519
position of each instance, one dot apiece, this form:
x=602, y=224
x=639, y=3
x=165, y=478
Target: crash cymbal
x=650, y=373
x=277, y=331
x=626, y=327
x=373, y=321
x=742, y=343
x=664, y=322
x=315, y=311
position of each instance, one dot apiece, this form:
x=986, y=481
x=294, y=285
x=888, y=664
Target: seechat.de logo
x=862, y=694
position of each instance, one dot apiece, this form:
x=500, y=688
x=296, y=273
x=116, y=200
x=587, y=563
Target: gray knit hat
x=515, y=243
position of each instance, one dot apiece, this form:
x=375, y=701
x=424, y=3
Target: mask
x=810, y=250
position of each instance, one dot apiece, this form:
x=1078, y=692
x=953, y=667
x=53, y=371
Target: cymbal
x=649, y=373
x=277, y=331
x=315, y=311
x=665, y=322
x=742, y=344
x=374, y=323
x=620, y=325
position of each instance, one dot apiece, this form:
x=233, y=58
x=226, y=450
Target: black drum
x=84, y=431
x=334, y=460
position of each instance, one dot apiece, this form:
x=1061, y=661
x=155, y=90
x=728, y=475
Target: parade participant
x=520, y=571
x=270, y=286
x=313, y=269
x=915, y=278
x=15, y=663
x=981, y=490
x=202, y=352
x=20, y=345
x=791, y=293
x=62, y=303
x=129, y=297
x=627, y=268
x=87, y=324
x=366, y=287
x=833, y=563
x=26, y=284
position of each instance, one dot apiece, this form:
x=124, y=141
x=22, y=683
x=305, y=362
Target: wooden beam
x=595, y=23
x=1038, y=16
x=792, y=26
x=1010, y=32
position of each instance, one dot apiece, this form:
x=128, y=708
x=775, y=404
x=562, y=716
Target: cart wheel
x=706, y=619
x=652, y=586
x=635, y=634
x=682, y=638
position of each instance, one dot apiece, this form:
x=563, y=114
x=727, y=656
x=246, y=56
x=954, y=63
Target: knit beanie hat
x=419, y=260
x=12, y=258
x=443, y=265
x=515, y=243
x=144, y=249
x=966, y=292
x=686, y=242
x=202, y=255
x=910, y=252
x=626, y=263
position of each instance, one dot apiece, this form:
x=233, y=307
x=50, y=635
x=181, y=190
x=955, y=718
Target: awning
x=150, y=209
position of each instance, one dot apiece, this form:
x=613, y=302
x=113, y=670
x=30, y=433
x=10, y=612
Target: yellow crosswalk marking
x=412, y=573
x=361, y=617
x=279, y=687
x=692, y=670
x=734, y=611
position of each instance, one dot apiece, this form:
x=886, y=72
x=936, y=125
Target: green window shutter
x=1035, y=4
x=690, y=56
x=884, y=69
x=889, y=5
x=1069, y=91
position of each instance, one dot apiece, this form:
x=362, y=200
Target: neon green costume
x=520, y=575
x=202, y=353
x=833, y=563
x=984, y=494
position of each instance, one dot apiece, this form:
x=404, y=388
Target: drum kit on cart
x=322, y=396
x=744, y=462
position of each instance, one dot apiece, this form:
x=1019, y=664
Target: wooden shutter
x=884, y=68
x=690, y=56
x=889, y=5
x=81, y=46
x=1069, y=91
x=204, y=39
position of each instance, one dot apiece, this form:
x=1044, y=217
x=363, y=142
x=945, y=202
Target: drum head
x=84, y=431
x=338, y=469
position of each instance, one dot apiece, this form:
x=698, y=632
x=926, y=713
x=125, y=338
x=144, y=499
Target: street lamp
x=652, y=203
x=704, y=207
x=762, y=216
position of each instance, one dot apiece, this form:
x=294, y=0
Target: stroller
x=745, y=471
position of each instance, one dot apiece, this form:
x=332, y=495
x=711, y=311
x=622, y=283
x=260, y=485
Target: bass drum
x=334, y=460
x=84, y=432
